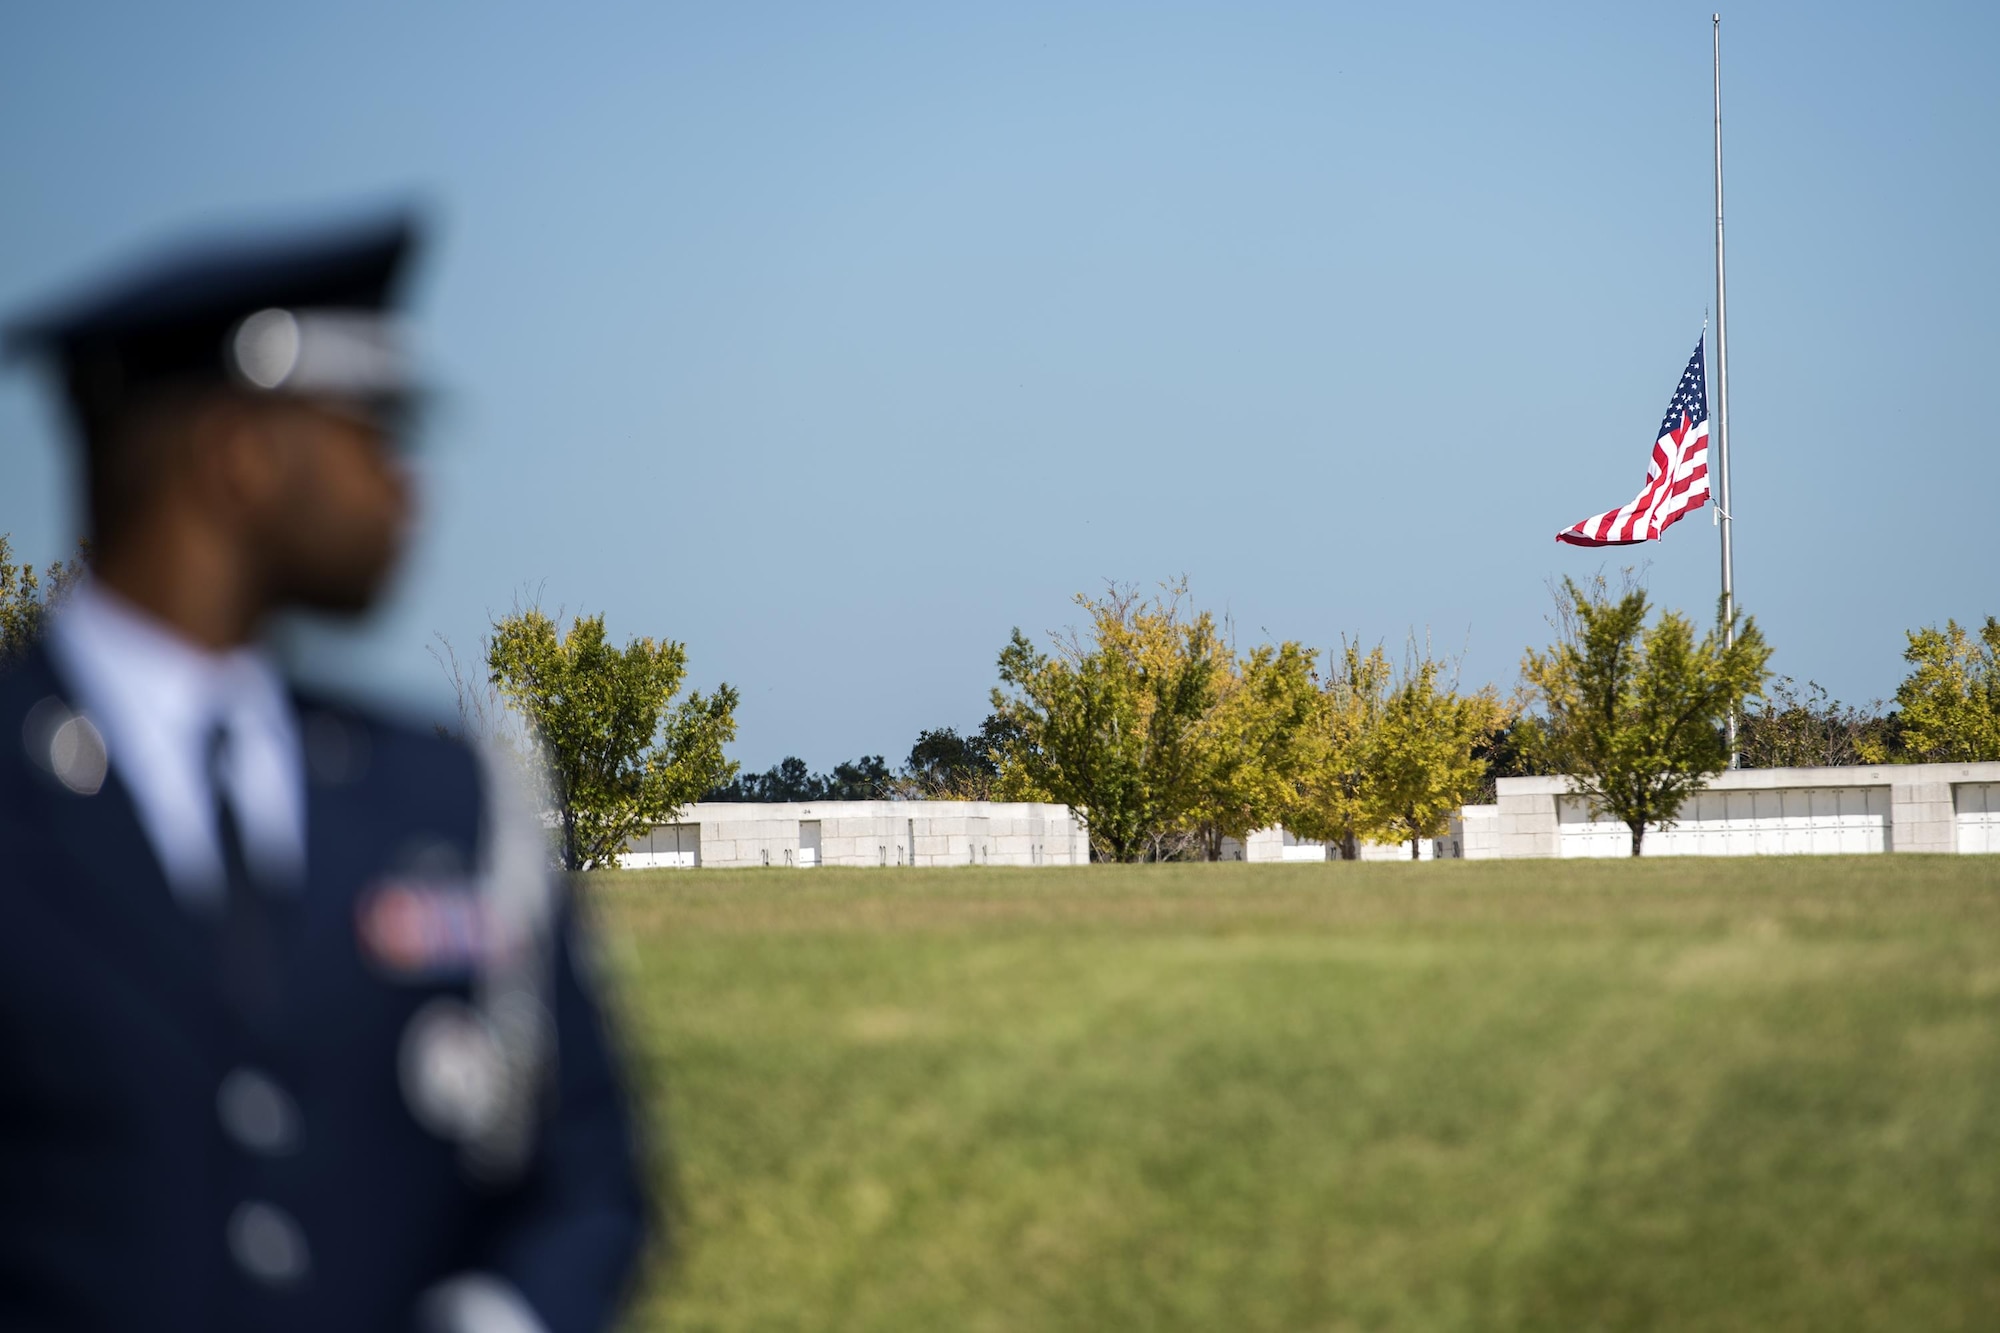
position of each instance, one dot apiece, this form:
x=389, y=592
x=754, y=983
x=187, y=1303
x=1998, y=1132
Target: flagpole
x=1722, y=395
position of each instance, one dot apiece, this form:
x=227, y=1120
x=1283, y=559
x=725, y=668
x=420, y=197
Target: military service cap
x=308, y=314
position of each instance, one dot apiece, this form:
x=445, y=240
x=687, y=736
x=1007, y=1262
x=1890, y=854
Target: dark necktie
x=250, y=965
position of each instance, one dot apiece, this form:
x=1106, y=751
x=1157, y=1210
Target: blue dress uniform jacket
x=166, y=1165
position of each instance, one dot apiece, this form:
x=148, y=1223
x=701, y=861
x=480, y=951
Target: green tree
x=1633, y=713
x=865, y=779
x=616, y=754
x=944, y=765
x=26, y=598
x=1114, y=724
x=1949, y=704
x=1422, y=765
x=1333, y=801
x=1257, y=743
x=1502, y=754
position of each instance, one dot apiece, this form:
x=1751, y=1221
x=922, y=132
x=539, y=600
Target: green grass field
x=1674, y=1094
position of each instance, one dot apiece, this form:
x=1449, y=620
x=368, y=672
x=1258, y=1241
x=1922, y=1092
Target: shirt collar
x=154, y=698
x=127, y=664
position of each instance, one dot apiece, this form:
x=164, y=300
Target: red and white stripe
x=1676, y=482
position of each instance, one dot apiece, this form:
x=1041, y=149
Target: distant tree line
x=1168, y=741
x=865, y=779
x=1382, y=753
x=942, y=765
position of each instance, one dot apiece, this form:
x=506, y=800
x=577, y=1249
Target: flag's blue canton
x=1690, y=398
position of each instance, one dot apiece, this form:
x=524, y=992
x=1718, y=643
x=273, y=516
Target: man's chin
x=344, y=598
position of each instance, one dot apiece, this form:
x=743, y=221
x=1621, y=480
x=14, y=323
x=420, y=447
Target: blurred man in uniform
x=297, y=1034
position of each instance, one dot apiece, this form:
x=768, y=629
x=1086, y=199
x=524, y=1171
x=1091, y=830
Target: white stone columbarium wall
x=726, y=834
x=1749, y=812
x=1770, y=812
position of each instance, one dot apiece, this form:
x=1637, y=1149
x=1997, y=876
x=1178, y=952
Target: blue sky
x=837, y=340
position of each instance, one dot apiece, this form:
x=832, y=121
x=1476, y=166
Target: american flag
x=1676, y=479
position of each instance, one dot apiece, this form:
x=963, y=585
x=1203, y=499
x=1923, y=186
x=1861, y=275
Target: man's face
x=334, y=516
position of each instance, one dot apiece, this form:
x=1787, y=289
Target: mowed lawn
x=1560, y=1095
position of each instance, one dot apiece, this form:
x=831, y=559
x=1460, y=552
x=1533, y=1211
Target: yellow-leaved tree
x=1258, y=743
x=1950, y=701
x=1113, y=722
x=1332, y=802
x=1422, y=765
x=1151, y=726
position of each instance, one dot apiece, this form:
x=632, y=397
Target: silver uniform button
x=452, y=1070
x=66, y=745
x=257, y=1113
x=267, y=1244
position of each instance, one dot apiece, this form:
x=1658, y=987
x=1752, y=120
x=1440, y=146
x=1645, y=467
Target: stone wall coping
x=708, y=812
x=1765, y=779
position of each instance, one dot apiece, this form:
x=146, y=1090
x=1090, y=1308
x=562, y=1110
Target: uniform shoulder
x=25, y=677
x=34, y=716
x=25, y=680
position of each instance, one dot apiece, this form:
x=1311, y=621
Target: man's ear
x=239, y=458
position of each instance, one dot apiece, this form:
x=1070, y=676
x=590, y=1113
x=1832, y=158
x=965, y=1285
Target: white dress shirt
x=156, y=699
